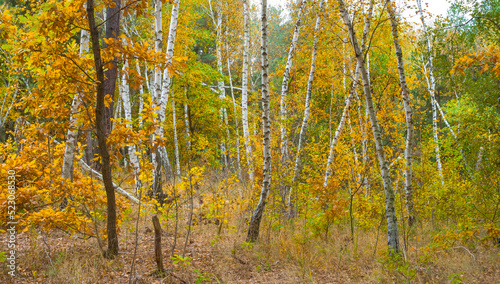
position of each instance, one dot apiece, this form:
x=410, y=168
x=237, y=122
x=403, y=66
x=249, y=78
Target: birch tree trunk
x=431, y=84
x=284, y=85
x=167, y=81
x=72, y=134
x=156, y=93
x=141, y=92
x=220, y=86
x=408, y=114
x=341, y=125
x=392, y=227
x=254, y=227
x=162, y=92
x=237, y=127
x=244, y=91
x=307, y=108
x=352, y=91
x=125, y=95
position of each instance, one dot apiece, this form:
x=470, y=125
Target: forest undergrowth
x=289, y=251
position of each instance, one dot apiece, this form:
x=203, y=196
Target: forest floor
x=281, y=256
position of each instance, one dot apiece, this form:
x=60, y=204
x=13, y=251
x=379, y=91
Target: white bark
x=284, y=85
x=141, y=93
x=347, y=104
x=99, y=177
x=392, y=227
x=72, y=134
x=156, y=85
x=340, y=127
x=431, y=86
x=161, y=98
x=408, y=115
x=244, y=87
x=220, y=86
x=167, y=81
x=156, y=92
x=253, y=230
x=237, y=127
x=307, y=108
x=446, y=121
x=127, y=108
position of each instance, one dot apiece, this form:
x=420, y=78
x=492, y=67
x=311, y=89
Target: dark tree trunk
x=101, y=135
x=112, y=31
x=158, y=254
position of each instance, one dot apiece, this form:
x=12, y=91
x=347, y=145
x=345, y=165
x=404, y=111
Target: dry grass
x=286, y=254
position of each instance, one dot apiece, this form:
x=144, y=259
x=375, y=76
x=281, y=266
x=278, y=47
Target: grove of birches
x=233, y=141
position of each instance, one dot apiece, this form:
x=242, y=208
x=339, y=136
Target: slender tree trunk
x=408, y=114
x=72, y=134
x=431, y=86
x=162, y=85
x=254, y=227
x=285, y=83
x=167, y=81
x=186, y=122
x=244, y=87
x=141, y=92
x=157, y=246
x=222, y=91
x=127, y=109
x=101, y=135
x=176, y=144
x=338, y=132
x=112, y=31
x=352, y=92
x=156, y=94
x=307, y=108
x=237, y=127
x=392, y=227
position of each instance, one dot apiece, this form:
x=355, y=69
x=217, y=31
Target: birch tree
x=352, y=92
x=220, y=84
x=72, y=134
x=285, y=83
x=127, y=111
x=408, y=115
x=254, y=227
x=161, y=93
x=307, y=108
x=431, y=87
x=244, y=87
x=340, y=127
x=237, y=127
x=392, y=228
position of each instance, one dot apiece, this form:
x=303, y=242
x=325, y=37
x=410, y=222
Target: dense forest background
x=229, y=141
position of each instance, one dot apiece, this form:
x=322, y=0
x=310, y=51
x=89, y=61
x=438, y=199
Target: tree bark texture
x=254, y=227
x=408, y=115
x=244, y=87
x=431, y=86
x=112, y=31
x=285, y=83
x=392, y=228
x=101, y=135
